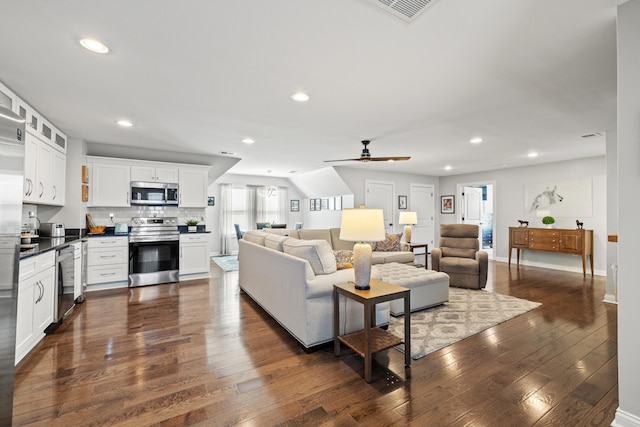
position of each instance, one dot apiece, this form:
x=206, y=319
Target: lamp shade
x=408, y=218
x=362, y=225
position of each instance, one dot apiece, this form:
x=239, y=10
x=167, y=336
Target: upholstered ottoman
x=428, y=287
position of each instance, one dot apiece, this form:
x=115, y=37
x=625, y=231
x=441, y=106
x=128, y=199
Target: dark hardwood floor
x=201, y=353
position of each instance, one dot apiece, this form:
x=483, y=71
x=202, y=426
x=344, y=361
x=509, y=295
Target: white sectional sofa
x=292, y=279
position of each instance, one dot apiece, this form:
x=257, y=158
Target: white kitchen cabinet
x=194, y=253
x=193, y=186
x=107, y=262
x=154, y=173
x=8, y=98
x=31, y=144
x=44, y=173
x=35, y=310
x=58, y=178
x=109, y=184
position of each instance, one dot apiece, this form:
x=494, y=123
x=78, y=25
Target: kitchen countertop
x=46, y=244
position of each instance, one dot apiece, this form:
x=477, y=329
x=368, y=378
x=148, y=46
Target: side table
x=413, y=246
x=372, y=339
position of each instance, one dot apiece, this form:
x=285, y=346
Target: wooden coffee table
x=371, y=339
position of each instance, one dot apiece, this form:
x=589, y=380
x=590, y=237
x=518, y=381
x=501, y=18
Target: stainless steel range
x=153, y=251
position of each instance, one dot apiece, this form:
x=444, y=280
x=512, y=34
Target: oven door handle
x=153, y=239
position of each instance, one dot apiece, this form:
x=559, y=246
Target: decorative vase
x=192, y=228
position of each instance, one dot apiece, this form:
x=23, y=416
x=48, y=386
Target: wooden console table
x=562, y=240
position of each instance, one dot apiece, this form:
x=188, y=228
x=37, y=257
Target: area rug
x=227, y=263
x=467, y=312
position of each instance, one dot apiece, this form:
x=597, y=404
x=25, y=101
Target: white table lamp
x=408, y=219
x=362, y=225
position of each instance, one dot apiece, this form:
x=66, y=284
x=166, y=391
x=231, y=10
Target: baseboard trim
x=625, y=419
x=609, y=298
x=596, y=272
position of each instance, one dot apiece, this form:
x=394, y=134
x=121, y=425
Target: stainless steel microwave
x=154, y=193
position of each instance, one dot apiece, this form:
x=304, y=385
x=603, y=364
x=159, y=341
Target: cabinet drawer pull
x=107, y=256
x=107, y=274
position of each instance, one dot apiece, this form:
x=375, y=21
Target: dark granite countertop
x=46, y=244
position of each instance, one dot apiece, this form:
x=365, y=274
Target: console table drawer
x=544, y=246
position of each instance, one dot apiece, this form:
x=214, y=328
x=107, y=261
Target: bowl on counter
x=98, y=229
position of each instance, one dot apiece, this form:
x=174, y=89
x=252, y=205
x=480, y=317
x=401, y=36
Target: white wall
x=628, y=413
x=612, y=213
x=509, y=194
x=355, y=178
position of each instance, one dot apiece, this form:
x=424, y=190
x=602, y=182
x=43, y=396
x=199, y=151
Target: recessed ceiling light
x=300, y=97
x=448, y=168
x=248, y=141
x=532, y=154
x=94, y=45
x=125, y=123
x=475, y=140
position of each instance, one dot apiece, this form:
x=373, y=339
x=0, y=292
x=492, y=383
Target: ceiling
x=198, y=76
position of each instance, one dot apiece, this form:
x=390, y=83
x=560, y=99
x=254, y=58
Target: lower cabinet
x=107, y=262
x=194, y=254
x=36, y=291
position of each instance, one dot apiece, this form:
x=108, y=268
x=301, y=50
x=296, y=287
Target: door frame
x=459, y=189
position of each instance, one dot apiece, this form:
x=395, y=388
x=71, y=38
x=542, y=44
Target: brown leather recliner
x=459, y=256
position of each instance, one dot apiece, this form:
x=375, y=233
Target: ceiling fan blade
x=345, y=160
x=388, y=159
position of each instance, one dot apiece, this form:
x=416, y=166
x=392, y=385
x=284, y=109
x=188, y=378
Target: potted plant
x=192, y=225
x=548, y=221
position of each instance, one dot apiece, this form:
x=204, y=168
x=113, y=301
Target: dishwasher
x=64, y=298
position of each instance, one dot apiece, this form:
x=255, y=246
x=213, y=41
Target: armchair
x=459, y=256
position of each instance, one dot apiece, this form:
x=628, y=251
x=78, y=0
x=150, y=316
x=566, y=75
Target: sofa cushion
x=255, y=237
x=344, y=259
x=281, y=232
x=390, y=243
x=317, y=252
x=275, y=241
x=309, y=234
x=339, y=244
x=458, y=252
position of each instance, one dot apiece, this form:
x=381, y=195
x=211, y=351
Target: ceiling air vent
x=407, y=10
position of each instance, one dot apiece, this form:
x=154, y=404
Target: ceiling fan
x=365, y=156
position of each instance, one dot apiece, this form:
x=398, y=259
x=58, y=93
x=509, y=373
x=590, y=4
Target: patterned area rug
x=227, y=263
x=467, y=312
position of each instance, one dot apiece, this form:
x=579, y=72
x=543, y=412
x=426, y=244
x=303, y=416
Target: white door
x=379, y=195
x=421, y=201
x=472, y=209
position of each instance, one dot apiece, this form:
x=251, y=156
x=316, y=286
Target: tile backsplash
x=100, y=216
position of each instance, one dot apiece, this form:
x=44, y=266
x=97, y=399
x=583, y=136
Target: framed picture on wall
x=402, y=202
x=295, y=205
x=318, y=205
x=325, y=204
x=312, y=204
x=338, y=204
x=211, y=201
x=447, y=204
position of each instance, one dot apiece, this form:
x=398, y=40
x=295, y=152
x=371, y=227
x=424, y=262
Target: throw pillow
x=344, y=259
x=317, y=252
x=391, y=243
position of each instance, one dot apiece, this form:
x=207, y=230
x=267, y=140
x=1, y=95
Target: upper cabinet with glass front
x=8, y=98
x=39, y=126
